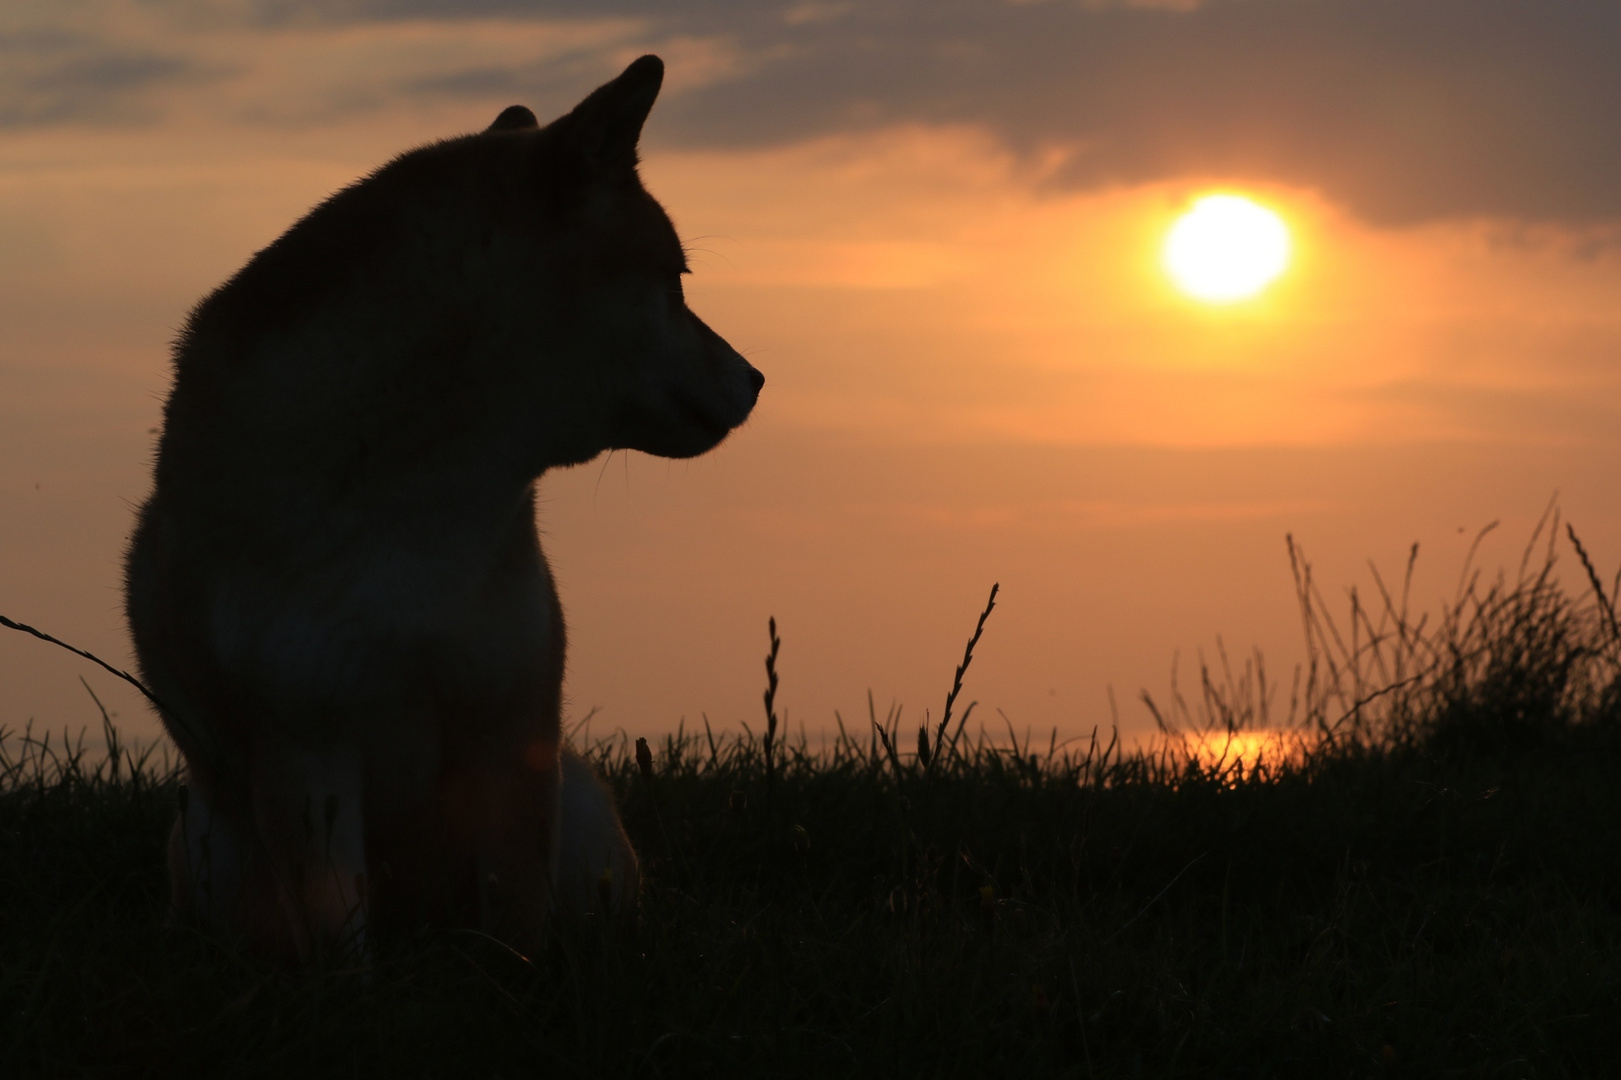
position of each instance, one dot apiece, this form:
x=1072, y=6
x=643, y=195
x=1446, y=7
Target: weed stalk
x=769, y=743
x=924, y=755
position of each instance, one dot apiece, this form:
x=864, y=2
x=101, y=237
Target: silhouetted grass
x=1426, y=886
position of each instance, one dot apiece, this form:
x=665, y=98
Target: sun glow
x=1246, y=752
x=1226, y=248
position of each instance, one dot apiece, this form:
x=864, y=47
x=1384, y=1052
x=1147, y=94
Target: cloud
x=1401, y=110
x=61, y=77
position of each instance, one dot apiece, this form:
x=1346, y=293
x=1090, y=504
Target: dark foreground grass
x=1430, y=889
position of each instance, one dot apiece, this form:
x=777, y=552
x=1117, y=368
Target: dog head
x=509, y=300
x=643, y=371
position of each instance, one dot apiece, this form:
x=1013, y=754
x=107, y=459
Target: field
x=1422, y=879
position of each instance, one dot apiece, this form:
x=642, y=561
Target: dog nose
x=756, y=378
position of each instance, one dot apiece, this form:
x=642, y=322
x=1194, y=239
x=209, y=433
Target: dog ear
x=513, y=118
x=605, y=127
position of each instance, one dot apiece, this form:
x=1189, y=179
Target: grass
x=1425, y=884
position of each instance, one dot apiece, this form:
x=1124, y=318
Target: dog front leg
x=310, y=815
x=217, y=876
x=596, y=866
x=517, y=842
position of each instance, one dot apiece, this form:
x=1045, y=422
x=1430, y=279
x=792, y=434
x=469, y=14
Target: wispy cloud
x=52, y=76
x=1401, y=110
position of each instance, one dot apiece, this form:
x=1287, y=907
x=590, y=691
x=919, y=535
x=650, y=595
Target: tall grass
x=1508, y=662
x=1427, y=883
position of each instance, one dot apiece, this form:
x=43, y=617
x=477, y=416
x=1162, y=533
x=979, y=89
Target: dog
x=336, y=588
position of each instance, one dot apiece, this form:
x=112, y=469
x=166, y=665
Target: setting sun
x=1226, y=248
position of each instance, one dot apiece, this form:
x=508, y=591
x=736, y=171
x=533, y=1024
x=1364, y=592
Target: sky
x=935, y=227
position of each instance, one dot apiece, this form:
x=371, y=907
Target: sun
x=1226, y=248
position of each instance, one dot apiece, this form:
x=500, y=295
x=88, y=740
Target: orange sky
x=976, y=369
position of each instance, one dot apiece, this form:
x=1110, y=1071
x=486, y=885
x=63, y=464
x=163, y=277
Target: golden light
x=1245, y=752
x=1226, y=248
